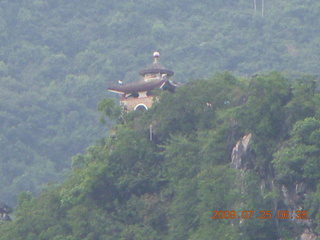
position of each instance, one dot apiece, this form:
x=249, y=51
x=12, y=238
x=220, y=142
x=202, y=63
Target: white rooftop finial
x=156, y=55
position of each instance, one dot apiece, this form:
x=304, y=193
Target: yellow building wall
x=132, y=103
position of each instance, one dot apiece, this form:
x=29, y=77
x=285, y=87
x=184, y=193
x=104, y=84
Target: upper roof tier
x=156, y=67
x=159, y=78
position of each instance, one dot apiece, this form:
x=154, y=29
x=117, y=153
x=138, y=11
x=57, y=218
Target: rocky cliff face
x=291, y=197
x=240, y=156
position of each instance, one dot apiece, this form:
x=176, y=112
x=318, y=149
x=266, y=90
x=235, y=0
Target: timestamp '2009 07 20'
x=262, y=214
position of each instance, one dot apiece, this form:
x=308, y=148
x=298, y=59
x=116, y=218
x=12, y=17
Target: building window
x=141, y=107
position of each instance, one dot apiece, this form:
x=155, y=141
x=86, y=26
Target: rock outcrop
x=243, y=158
x=239, y=155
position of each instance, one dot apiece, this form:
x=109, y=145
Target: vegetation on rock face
x=128, y=187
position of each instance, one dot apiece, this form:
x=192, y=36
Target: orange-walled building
x=139, y=95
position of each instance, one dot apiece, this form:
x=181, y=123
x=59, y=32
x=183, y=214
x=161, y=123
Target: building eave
x=140, y=86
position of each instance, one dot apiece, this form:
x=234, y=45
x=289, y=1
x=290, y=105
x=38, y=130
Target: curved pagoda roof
x=146, y=84
x=139, y=86
x=156, y=67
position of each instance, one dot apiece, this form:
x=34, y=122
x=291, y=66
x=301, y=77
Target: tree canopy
x=56, y=58
x=130, y=187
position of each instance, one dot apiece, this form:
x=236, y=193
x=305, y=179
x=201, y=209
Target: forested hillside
x=56, y=57
x=131, y=187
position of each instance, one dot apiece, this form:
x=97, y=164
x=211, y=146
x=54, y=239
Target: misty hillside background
x=57, y=56
x=254, y=147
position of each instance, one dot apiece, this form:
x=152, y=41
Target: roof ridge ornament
x=156, y=55
x=156, y=67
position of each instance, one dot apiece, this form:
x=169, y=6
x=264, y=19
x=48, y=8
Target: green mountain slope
x=57, y=56
x=128, y=187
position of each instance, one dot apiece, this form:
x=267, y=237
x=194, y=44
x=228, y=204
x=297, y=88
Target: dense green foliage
x=56, y=57
x=128, y=187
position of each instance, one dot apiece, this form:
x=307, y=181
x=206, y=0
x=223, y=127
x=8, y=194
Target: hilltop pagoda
x=139, y=95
